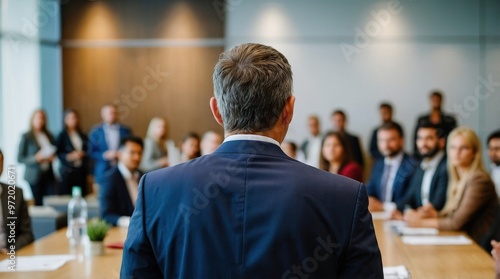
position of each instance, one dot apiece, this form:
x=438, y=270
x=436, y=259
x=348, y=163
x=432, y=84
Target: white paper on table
x=381, y=215
x=416, y=231
x=36, y=263
x=396, y=272
x=436, y=240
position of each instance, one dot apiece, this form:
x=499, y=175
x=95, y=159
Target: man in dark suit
x=386, y=112
x=22, y=223
x=104, y=141
x=119, y=187
x=390, y=176
x=429, y=183
x=248, y=210
x=445, y=122
x=339, y=120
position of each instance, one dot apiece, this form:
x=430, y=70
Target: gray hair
x=252, y=83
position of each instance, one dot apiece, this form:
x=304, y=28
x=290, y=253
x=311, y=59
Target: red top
x=352, y=170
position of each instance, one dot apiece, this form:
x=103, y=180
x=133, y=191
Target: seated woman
x=336, y=157
x=471, y=197
x=159, y=151
x=190, y=148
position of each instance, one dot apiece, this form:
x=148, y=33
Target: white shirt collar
x=252, y=137
x=432, y=163
x=396, y=160
x=124, y=171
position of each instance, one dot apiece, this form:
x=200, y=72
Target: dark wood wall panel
x=180, y=92
x=94, y=75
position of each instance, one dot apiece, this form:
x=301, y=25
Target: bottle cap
x=76, y=191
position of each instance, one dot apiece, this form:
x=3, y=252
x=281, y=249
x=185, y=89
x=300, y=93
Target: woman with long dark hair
x=336, y=157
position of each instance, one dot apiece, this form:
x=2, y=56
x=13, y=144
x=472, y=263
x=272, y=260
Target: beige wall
x=150, y=59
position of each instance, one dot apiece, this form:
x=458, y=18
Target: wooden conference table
x=455, y=261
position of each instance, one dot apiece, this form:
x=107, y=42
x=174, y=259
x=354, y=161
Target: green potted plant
x=96, y=231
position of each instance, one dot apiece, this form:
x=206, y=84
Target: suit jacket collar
x=251, y=147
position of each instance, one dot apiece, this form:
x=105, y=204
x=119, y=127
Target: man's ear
x=215, y=111
x=287, y=114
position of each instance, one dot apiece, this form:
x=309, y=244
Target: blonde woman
x=159, y=151
x=471, y=198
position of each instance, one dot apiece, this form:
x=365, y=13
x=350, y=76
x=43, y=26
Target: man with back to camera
x=429, y=183
x=248, y=210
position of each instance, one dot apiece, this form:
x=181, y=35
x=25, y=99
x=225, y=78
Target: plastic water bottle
x=77, y=219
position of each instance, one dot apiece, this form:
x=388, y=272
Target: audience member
x=248, y=210
x=471, y=200
x=336, y=157
x=37, y=152
x=290, y=149
x=159, y=151
x=104, y=141
x=429, y=182
x=312, y=145
x=386, y=113
x=210, y=142
x=494, y=154
x=119, y=187
x=190, y=147
x=444, y=121
x=391, y=175
x=22, y=232
x=339, y=120
x=73, y=161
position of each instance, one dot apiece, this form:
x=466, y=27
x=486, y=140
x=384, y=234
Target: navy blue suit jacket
x=401, y=182
x=249, y=211
x=114, y=197
x=97, y=147
x=437, y=192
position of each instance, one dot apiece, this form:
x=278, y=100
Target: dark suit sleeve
x=25, y=235
x=139, y=260
x=373, y=145
x=22, y=155
x=362, y=259
x=371, y=184
x=441, y=188
x=96, y=137
x=358, y=154
x=108, y=200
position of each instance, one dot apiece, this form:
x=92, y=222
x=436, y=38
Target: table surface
x=449, y=261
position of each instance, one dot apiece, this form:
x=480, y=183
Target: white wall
x=413, y=47
x=30, y=75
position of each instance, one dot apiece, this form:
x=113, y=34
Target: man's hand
x=375, y=205
x=396, y=215
x=109, y=155
x=427, y=211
